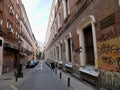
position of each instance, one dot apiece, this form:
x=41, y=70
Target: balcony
x=25, y=51
x=10, y=45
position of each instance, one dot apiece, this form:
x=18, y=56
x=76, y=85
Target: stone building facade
x=83, y=39
x=17, y=47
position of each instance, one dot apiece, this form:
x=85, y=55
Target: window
x=10, y=8
x=18, y=4
x=60, y=51
x=17, y=19
x=68, y=47
x=66, y=8
x=54, y=54
x=61, y=47
x=9, y=27
x=119, y=2
x=56, y=1
x=57, y=52
x=0, y=13
x=1, y=21
x=0, y=42
x=52, y=34
x=59, y=20
x=55, y=28
x=16, y=35
x=8, y=24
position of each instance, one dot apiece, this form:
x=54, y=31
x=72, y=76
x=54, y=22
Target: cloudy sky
x=38, y=13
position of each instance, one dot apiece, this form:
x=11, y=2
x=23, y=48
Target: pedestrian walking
x=19, y=71
x=52, y=66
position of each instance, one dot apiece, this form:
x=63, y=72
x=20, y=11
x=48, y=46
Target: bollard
x=69, y=82
x=55, y=71
x=16, y=78
x=60, y=75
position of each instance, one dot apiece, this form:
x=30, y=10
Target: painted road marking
x=13, y=87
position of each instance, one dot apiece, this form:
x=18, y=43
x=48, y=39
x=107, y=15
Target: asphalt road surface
x=41, y=78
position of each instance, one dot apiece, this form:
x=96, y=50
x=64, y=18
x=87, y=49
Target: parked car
x=36, y=62
x=30, y=64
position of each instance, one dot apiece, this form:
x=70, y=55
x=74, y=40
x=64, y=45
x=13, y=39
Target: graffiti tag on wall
x=109, y=80
x=109, y=54
x=109, y=49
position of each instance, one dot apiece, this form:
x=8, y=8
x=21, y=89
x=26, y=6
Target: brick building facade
x=83, y=39
x=16, y=45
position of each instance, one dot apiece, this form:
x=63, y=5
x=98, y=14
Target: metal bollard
x=15, y=74
x=55, y=71
x=60, y=75
x=16, y=78
x=69, y=82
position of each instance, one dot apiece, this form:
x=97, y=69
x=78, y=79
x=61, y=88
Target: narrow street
x=41, y=78
x=75, y=42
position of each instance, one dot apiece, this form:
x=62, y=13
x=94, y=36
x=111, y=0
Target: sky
x=38, y=12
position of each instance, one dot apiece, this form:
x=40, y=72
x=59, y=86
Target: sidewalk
x=10, y=75
x=74, y=83
x=8, y=79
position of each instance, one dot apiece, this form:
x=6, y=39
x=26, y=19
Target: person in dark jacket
x=19, y=71
x=53, y=66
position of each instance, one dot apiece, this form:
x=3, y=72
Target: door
x=89, y=48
